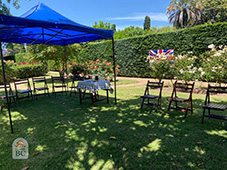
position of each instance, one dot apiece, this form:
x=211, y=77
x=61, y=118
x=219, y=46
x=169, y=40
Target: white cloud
x=140, y=16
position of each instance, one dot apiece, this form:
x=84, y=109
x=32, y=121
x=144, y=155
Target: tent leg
x=115, y=88
x=4, y=79
x=66, y=71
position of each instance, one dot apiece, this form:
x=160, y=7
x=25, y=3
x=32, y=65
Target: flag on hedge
x=154, y=54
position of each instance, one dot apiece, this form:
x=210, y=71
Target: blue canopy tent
x=42, y=25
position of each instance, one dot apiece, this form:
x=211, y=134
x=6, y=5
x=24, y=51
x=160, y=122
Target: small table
x=93, y=86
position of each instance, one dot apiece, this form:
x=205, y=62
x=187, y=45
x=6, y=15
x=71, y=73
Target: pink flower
x=69, y=66
x=74, y=63
x=108, y=64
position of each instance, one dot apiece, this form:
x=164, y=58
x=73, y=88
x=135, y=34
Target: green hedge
x=131, y=53
x=26, y=71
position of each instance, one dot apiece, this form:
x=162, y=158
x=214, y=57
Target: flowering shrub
x=78, y=70
x=214, y=64
x=185, y=68
x=161, y=66
x=98, y=67
x=104, y=69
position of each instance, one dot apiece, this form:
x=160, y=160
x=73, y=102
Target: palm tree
x=184, y=13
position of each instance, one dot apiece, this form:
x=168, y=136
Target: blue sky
x=123, y=13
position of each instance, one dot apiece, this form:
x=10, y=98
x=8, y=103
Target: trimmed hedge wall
x=131, y=53
x=26, y=71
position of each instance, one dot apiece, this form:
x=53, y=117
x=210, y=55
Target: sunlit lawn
x=68, y=135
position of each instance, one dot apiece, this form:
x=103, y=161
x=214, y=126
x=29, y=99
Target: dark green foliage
x=26, y=71
x=147, y=23
x=131, y=53
x=10, y=57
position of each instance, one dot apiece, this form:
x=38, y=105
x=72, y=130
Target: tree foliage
x=5, y=10
x=184, y=13
x=214, y=11
x=147, y=23
x=55, y=53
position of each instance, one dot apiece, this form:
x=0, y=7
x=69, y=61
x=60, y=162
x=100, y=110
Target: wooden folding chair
x=73, y=86
x=40, y=84
x=208, y=105
x=148, y=96
x=181, y=87
x=23, y=89
x=10, y=95
x=58, y=82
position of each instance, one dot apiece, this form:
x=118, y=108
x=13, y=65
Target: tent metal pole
x=6, y=93
x=115, y=87
x=65, y=58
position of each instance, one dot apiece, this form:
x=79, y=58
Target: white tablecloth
x=94, y=86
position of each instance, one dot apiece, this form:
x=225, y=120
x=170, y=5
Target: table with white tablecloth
x=93, y=86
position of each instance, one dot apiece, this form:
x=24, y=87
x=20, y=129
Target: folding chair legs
x=142, y=103
x=168, y=107
x=203, y=115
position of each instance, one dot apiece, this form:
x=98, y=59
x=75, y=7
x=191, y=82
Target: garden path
x=200, y=87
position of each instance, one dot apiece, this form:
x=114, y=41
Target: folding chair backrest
x=183, y=87
x=216, y=89
x=22, y=82
x=38, y=80
x=154, y=85
x=57, y=80
x=78, y=78
x=8, y=87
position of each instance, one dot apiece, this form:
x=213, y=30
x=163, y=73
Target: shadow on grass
x=68, y=135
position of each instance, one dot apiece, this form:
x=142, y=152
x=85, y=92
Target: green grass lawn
x=68, y=135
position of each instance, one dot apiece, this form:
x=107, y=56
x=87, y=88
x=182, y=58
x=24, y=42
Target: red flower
x=18, y=64
x=108, y=64
x=95, y=67
x=29, y=63
x=91, y=61
x=24, y=63
x=117, y=71
x=74, y=63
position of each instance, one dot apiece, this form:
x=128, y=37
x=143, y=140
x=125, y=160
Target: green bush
x=131, y=53
x=26, y=71
x=8, y=73
x=22, y=57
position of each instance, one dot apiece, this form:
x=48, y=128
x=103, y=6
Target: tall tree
x=214, y=11
x=5, y=10
x=184, y=13
x=147, y=23
x=113, y=27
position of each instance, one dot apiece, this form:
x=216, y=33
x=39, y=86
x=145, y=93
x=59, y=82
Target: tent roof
x=42, y=25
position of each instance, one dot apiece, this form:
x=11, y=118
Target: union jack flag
x=155, y=53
